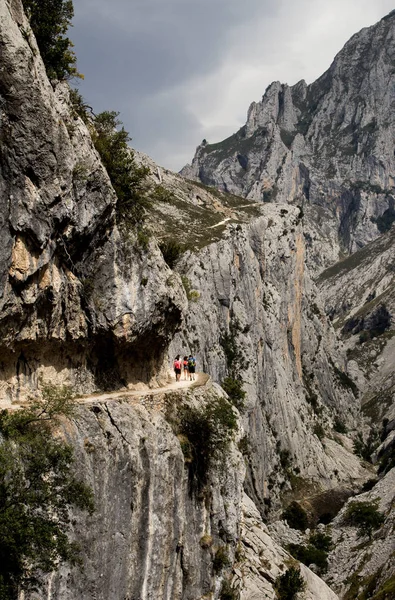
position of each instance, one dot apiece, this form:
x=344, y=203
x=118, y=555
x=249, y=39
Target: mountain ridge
x=86, y=306
x=327, y=146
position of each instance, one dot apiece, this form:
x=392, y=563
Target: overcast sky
x=179, y=71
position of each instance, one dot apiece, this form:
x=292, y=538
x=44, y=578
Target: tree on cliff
x=50, y=20
x=127, y=178
x=37, y=491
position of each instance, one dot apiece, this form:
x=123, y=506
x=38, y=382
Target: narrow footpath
x=144, y=395
x=201, y=380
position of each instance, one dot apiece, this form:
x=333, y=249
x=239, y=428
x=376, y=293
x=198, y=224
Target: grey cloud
x=154, y=121
x=133, y=52
x=156, y=44
x=146, y=58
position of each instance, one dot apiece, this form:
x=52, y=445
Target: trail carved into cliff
x=139, y=396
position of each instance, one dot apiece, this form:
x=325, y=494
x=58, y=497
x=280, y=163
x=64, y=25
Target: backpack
x=177, y=364
x=191, y=362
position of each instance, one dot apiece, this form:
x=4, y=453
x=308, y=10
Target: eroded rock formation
x=83, y=304
x=327, y=147
x=256, y=305
x=73, y=309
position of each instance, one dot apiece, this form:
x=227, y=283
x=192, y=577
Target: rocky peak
x=277, y=107
x=327, y=146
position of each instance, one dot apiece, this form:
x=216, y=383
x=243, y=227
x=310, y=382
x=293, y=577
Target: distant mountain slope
x=189, y=212
x=359, y=296
x=328, y=147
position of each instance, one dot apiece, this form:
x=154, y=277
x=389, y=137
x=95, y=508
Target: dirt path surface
x=201, y=379
x=144, y=395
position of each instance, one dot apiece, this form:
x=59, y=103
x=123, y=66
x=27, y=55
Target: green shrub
x=319, y=431
x=171, y=251
x=369, y=484
x=227, y=592
x=339, y=426
x=289, y=584
x=50, y=20
x=310, y=555
x=127, y=179
x=37, y=490
x=244, y=446
x=235, y=362
x=161, y=194
x=206, y=541
x=364, y=336
x=365, y=516
x=285, y=459
x=79, y=106
x=221, y=559
x=311, y=396
x=143, y=237
x=234, y=357
x=88, y=287
x=234, y=389
x=321, y=541
x=316, y=552
x=312, y=399
x=205, y=433
x=386, y=590
x=296, y=516
x=366, y=449
x=192, y=295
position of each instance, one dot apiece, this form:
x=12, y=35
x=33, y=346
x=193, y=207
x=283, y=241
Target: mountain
x=327, y=147
x=207, y=491
x=359, y=296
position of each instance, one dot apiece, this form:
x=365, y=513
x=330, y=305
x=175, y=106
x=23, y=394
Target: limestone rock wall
x=252, y=290
x=359, y=297
x=145, y=538
x=262, y=560
x=72, y=304
x=359, y=564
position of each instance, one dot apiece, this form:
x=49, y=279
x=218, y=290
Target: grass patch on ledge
x=195, y=219
x=368, y=253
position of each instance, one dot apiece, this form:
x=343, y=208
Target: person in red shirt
x=177, y=367
x=185, y=365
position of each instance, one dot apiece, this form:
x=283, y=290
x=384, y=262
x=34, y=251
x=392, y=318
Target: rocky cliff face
x=263, y=560
x=72, y=306
x=149, y=537
x=255, y=313
x=327, y=147
x=359, y=297
x=82, y=304
x=361, y=564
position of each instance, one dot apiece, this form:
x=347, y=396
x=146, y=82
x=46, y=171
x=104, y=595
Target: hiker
x=191, y=367
x=185, y=365
x=177, y=367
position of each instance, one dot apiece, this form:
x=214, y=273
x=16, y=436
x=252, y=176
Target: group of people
x=187, y=365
